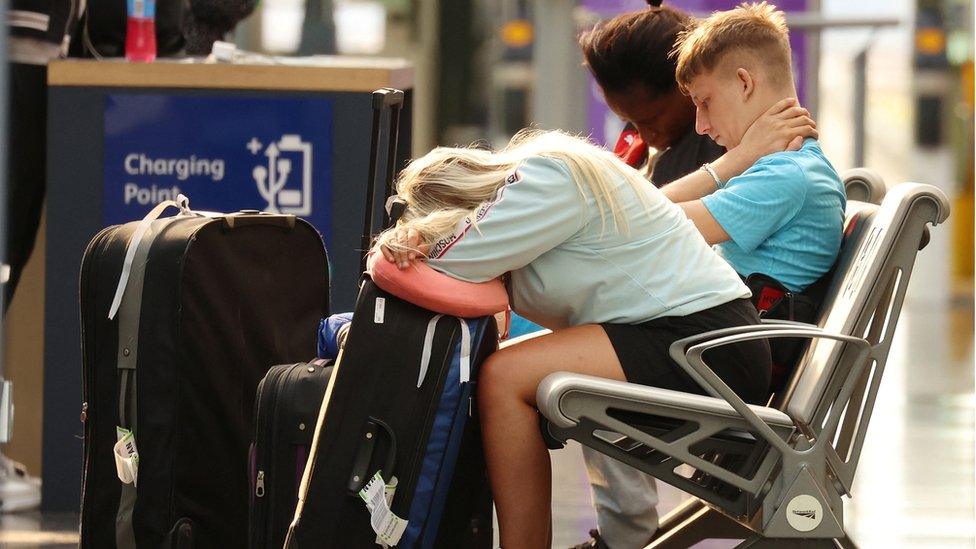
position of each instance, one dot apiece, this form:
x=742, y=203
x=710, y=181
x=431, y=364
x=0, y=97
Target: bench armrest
x=780, y=322
x=688, y=353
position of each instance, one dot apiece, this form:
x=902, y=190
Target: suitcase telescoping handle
x=382, y=98
x=364, y=455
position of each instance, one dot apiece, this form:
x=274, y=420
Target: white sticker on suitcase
x=388, y=527
x=379, y=312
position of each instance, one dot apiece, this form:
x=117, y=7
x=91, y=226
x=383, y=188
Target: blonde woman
x=594, y=253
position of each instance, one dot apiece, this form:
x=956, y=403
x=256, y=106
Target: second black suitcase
x=286, y=408
x=400, y=407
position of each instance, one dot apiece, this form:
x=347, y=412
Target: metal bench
x=772, y=475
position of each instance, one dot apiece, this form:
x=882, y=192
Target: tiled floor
x=34, y=530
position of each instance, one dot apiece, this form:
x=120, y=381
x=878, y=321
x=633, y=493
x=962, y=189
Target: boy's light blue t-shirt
x=784, y=216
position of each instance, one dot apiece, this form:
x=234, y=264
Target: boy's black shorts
x=643, y=351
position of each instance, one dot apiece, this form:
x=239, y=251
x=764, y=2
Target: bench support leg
x=677, y=515
x=758, y=542
x=846, y=542
x=692, y=522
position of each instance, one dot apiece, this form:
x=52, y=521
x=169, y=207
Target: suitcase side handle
x=364, y=456
x=254, y=217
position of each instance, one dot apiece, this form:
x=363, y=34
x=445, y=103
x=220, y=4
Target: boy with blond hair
x=783, y=215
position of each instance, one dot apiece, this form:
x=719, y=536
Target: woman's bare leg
x=518, y=461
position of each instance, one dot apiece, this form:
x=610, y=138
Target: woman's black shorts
x=643, y=351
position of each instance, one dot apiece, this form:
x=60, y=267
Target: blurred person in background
x=42, y=30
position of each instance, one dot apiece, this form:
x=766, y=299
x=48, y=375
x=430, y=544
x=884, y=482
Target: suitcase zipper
x=89, y=318
x=292, y=379
x=259, y=488
x=267, y=403
x=257, y=520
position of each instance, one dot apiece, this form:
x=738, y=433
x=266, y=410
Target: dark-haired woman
x=629, y=57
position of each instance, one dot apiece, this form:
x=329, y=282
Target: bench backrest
x=864, y=185
x=864, y=299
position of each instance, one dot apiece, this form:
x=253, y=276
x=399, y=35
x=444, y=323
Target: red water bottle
x=140, y=30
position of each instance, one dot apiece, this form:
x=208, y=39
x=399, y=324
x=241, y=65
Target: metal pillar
x=860, y=85
x=559, y=90
x=6, y=389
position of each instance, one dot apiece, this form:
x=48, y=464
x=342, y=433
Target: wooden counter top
x=319, y=73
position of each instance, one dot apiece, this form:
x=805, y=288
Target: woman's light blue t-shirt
x=784, y=216
x=570, y=266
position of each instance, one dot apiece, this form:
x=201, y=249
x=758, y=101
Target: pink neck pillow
x=423, y=286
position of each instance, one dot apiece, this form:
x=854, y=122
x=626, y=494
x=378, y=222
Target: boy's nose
x=701, y=122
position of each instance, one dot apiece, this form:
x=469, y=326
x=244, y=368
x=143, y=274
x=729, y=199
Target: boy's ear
x=745, y=83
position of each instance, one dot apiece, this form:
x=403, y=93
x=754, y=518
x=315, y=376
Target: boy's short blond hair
x=756, y=29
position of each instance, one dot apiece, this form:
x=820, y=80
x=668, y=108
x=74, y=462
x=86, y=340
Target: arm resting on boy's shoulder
x=704, y=221
x=699, y=183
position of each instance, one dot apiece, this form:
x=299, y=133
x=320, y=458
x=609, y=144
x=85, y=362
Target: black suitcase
x=399, y=411
x=209, y=304
x=286, y=409
x=400, y=405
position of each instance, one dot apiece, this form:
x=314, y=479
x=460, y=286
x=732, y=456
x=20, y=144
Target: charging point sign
x=224, y=153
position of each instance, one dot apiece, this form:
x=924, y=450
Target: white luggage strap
x=181, y=202
x=133, y=270
x=465, y=374
x=125, y=451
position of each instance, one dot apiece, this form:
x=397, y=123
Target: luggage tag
x=388, y=491
x=377, y=495
x=126, y=456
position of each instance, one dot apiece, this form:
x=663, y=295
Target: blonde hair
x=449, y=184
x=758, y=29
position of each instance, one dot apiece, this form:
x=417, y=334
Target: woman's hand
x=408, y=248
x=783, y=127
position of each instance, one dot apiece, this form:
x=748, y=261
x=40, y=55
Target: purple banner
x=604, y=126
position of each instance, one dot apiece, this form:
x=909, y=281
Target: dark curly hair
x=633, y=48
